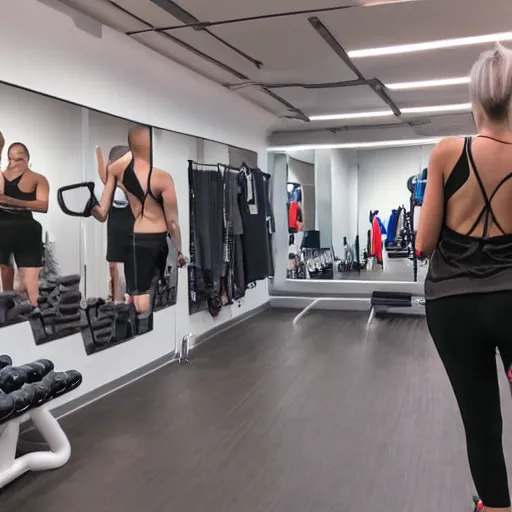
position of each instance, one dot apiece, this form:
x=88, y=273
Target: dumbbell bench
x=384, y=301
x=24, y=394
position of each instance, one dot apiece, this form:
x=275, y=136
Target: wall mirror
x=352, y=214
x=40, y=246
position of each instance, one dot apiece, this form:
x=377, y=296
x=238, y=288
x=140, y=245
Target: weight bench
x=383, y=301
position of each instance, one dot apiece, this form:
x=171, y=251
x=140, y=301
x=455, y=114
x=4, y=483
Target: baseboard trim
x=113, y=386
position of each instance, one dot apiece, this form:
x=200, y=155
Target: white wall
x=107, y=71
x=343, y=198
x=52, y=132
x=382, y=180
x=323, y=200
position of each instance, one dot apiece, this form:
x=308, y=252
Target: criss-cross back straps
x=487, y=210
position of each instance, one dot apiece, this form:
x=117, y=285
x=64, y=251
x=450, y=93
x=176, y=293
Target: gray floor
x=329, y=417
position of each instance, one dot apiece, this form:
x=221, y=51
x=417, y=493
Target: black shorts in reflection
x=119, y=234
x=146, y=259
x=23, y=239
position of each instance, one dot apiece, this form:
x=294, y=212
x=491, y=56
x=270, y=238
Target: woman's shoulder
x=449, y=147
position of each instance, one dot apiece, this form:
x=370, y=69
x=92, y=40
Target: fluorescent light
x=431, y=45
x=355, y=145
x=437, y=108
x=383, y=113
x=424, y=84
x=357, y=115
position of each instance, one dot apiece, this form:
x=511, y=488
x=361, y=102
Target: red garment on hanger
x=293, y=212
x=376, y=240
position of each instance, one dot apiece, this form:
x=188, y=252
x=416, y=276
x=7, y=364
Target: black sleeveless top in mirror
x=12, y=189
x=462, y=263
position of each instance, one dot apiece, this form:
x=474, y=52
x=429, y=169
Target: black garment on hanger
x=255, y=209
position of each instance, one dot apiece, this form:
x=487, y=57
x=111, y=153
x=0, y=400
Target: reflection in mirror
x=39, y=247
x=138, y=202
x=391, y=183
x=309, y=257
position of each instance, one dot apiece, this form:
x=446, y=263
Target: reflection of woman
x=21, y=192
x=466, y=224
x=119, y=226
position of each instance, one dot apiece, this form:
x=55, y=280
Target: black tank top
x=131, y=184
x=463, y=263
x=12, y=189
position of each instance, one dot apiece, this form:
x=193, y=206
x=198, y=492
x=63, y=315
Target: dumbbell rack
x=12, y=467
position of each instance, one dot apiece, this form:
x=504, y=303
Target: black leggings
x=466, y=330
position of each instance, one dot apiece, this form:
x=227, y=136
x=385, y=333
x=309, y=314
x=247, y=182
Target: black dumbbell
x=12, y=379
x=41, y=392
x=73, y=379
x=34, y=372
x=56, y=382
x=23, y=399
x=5, y=360
x=46, y=365
x=7, y=407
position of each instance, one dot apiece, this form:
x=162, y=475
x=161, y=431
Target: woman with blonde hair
x=466, y=229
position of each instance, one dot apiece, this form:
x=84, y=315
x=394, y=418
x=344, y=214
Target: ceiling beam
x=187, y=18
x=294, y=111
x=376, y=85
x=202, y=25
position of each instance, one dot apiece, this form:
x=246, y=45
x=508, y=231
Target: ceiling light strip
x=355, y=145
x=425, y=84
x=430, y=45
x=458, y=107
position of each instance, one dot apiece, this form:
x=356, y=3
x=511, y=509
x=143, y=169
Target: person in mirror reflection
x=153, y=202
x=466, y=229
x=119, y=226
x=22, y=191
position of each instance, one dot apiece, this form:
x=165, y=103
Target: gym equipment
x=27, y=402
x=383, y=301
x=85, y=208
x=41, y=392
x=34, y=372
x=59, y=311
x=23, y=399
x=5, y=360
x=12, y=379
x=7, y=407
x=14, y=308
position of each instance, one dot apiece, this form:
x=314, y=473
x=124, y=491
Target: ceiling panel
x=333, y=101
x=209, y=45
x=397, y=132
x=433, y=96
x=290, y=51
x=458, y=124
x=227, y=9
x=263, y=100
x=179, y=54
x=281, y=125
x=417, y=22
x=149, y=12
x=107, y=13
x=447, y=63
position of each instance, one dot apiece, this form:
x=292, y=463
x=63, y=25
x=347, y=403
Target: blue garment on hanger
x=392, y=224
x=381, y=225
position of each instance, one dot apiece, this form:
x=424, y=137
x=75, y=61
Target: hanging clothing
x=376, y=239
x=255, y=208
x=392, y=223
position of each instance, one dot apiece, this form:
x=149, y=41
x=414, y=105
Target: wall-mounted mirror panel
x=40, y=246
x=352, y=214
